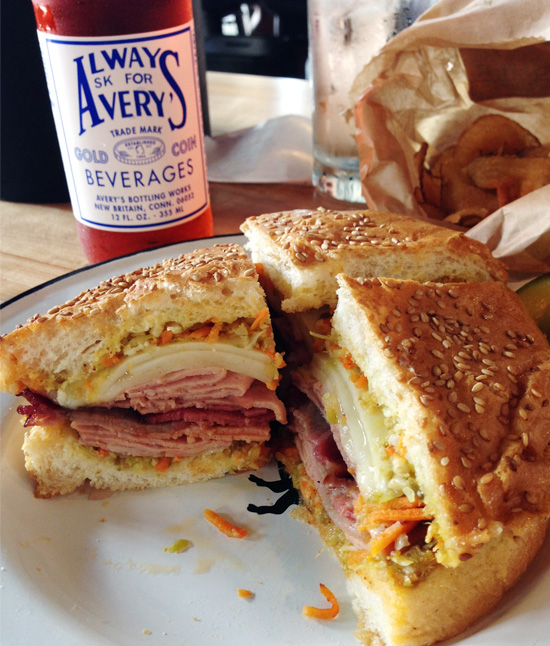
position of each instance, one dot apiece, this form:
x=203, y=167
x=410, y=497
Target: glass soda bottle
x=123, y=82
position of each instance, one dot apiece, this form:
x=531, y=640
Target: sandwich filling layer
x=352, y=452
x=154, y=398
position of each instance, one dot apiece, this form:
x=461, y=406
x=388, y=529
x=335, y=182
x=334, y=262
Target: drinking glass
x=344, y=35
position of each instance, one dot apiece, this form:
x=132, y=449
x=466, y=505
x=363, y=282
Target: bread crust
x=59, y=464
x=466, y=372
x=218, y=283
x=302, y=251
x=441, y=604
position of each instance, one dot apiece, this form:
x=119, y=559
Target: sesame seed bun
x=302, y=251
x=62, y=345
x=465, y=373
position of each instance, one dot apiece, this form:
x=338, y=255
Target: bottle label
x=128, y=116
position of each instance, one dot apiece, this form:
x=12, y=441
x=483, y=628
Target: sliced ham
x=325, y=466
x=208, y=388
x=183, y=413
x=200, y=388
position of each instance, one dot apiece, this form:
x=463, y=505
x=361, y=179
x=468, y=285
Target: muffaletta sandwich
x=163, y=376
x=422, y=451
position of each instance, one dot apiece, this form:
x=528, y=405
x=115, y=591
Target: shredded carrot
x=361, y=382
x=272, y=385
x=244, y=594
x=347, y=361
x=214, y=333
x=379, y=516
x=323, y=613
x=102, y=453
x=165, y=337
x=177, y=458
x=223, y=525
x=163, y=464
x=201, y=332
x=261, y=316
x=111, y=361
x=401, y=448
x=402, y=503
x=389, y=450
x=389, y=536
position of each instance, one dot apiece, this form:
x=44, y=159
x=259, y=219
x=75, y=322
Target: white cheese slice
x=363, y=431
x=157, y=361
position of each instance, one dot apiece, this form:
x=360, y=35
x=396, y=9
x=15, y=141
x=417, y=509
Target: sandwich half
x=421, y=448
x=301, y=252
x=162, y=376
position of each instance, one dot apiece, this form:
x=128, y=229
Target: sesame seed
x=463, y=407
x=437, y=353
x=459, y=483
x=523, y=413
x=477, y=387
x=485, y=479
x=466, y=508
x=444, y=461
x=466, y=463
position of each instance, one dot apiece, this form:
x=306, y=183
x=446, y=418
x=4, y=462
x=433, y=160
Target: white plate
x=78, y=571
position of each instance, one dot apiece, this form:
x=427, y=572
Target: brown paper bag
x=462, y=59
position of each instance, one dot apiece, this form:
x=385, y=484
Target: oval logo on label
x=137, y=151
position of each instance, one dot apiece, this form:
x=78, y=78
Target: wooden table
x=39, y=242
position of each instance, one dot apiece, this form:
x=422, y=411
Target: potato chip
x=511, y=177
x=493, y=134
x=457, y=192
x=429, y=190
x=467, y=217
x=494, y=162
